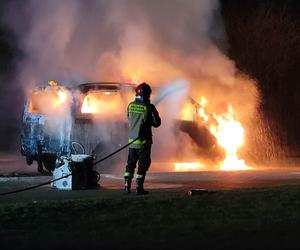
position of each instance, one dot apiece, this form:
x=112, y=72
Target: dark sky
x=11, y=95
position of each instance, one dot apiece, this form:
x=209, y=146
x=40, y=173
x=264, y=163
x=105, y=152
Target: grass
x=240, y=219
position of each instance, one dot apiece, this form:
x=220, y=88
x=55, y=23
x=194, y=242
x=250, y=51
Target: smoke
x=74, y=41
x=170, y=101
x=117, y=40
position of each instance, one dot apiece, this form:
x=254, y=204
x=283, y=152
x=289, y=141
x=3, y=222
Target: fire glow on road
x=188, y=166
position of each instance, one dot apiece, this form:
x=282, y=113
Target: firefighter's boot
x=140, y=185
x=127, y=185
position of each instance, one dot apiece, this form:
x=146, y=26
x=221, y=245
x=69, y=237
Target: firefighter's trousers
x=142, y=156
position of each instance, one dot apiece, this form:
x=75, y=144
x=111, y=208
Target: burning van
x=91, y=119
x=46, y=126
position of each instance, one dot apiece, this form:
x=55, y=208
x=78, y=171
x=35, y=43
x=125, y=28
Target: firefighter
x=142, y=115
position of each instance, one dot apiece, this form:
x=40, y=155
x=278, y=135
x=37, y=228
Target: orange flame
x=229, y=134
x=188, y=112
x=95, y=102
x=48, y=100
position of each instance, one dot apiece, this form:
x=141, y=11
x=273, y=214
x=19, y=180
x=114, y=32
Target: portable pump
x=79, y=172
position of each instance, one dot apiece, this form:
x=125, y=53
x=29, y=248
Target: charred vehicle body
x=38, y=140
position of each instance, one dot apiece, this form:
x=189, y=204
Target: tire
x=29, y=159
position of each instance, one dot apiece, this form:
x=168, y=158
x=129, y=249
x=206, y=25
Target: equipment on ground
x=78, y=171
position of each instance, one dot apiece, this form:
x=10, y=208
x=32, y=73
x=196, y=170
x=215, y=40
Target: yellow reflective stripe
x=136, y=108
x=127, y=174
x=139, y=176
x=137, y=141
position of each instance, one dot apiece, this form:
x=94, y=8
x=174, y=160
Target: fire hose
x=165, y=92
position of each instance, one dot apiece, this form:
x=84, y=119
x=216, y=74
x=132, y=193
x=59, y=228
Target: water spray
x=177, y=86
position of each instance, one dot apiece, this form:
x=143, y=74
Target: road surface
x=155, y=182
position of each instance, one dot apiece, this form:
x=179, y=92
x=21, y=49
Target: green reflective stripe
x=139, y=176
x=139, y=142
x=136, y=108
x=127, y=174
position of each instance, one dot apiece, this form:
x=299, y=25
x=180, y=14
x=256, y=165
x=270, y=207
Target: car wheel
x=29, y=159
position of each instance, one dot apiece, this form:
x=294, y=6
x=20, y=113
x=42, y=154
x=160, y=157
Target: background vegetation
x=264, y=38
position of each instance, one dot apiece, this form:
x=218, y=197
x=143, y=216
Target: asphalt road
x=155, y=182
x=215, y=180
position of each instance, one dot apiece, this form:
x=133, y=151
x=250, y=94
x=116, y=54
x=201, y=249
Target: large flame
x=96, y=102
x=228, y=131
x=230, y=135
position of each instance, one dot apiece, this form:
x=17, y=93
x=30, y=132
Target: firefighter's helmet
x=143, y=90
x=52, y=83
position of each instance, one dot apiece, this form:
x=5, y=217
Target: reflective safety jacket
x=141, y=117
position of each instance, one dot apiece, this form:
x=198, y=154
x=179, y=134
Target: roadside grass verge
x=266, y=218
